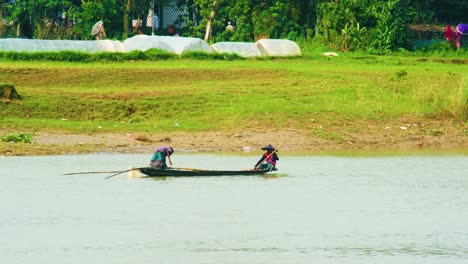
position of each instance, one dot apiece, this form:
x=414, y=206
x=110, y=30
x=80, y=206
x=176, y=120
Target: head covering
x=165, y=149
x=462, y=29
x=268, y=147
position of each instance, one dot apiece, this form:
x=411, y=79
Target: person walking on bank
x=268, y=160
x=158, y=160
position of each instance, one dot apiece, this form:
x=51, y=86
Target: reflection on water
x=314, y=209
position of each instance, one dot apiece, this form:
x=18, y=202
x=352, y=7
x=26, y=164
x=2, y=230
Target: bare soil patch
x=404, y=136
x=99, y=76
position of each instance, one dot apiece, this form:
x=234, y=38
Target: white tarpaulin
x=37, y=45
x=243, y=49
x=183, y=44
x=144, y=43
x=278, y=47
x=176, y=45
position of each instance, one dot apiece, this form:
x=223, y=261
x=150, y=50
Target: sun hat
x=269, y=147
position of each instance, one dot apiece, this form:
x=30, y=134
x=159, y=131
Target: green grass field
x=196, y=95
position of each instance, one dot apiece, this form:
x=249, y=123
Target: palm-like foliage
x=340, y=24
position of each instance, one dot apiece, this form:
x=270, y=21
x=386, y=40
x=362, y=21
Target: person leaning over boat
x=268, y=160
x=158, y=160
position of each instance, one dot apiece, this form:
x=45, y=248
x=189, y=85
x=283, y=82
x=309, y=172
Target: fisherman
x=268, y=160
x=158, y=160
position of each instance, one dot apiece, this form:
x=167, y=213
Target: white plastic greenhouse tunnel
x=144, y=43
x=278, y=47
x=177, y=45
x=243, y=49
x=36, y=45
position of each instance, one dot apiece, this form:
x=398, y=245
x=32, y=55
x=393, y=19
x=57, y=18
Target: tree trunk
x=317, y=26
x=125, y=19
x=210, y=21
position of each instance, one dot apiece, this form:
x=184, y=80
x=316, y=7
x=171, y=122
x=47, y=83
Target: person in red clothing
x=268, y=159
x=449, y=33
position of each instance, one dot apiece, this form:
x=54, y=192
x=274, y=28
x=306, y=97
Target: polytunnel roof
x=176, y=45
x=37, y=45
x=145, y=42
x=278, y=47
x=243, y=49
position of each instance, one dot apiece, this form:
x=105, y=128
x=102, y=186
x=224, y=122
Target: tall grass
x=459, y=101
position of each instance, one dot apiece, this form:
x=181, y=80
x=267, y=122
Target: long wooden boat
x=182, y=172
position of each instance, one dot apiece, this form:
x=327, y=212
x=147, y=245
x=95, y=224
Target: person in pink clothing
x=268, y=160
x=462, y=29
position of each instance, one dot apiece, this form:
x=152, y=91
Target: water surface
x=318, y=210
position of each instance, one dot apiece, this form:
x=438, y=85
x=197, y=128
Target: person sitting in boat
x=268, y=160
x=158, y=160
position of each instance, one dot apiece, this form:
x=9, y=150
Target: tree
x=340, y=24
x=450, y=11
x=252, y=19
x=364, y=24
x=35, y=19
x=392, y=29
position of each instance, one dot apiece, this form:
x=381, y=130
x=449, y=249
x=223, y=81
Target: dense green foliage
x=372, y=25
x=135, y=55
x=75, y=56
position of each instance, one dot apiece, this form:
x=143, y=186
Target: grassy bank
x=326, y=97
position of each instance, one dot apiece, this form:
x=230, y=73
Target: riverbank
x=395, y=137
x=314, y=104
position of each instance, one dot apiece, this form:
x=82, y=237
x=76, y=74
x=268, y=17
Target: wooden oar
x=271, y=154
x=89, y=172
x=120, y=172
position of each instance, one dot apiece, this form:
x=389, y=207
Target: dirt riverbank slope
x=396, y=136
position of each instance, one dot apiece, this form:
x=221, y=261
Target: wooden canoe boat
x=182, y=172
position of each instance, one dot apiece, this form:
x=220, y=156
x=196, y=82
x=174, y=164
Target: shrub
x=8, y=92
x=197, y=55
x=75, y=56
x=157, y=54
x=18, y=137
